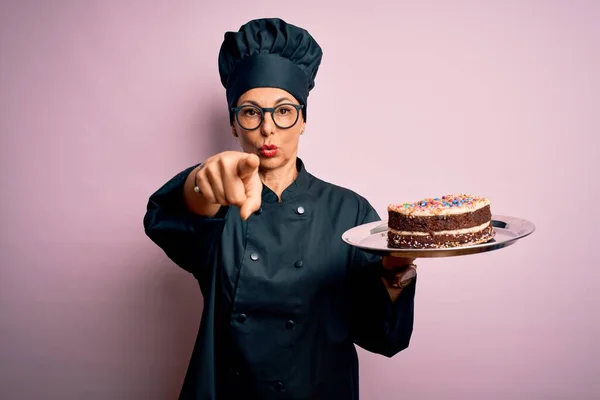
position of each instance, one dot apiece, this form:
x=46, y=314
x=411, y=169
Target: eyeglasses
x=251, y=117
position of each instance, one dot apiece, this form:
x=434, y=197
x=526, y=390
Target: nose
x=267, y=127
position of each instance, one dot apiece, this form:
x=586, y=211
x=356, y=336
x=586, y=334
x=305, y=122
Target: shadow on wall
x=224, y=139
x=212, y=131
x=181, y=319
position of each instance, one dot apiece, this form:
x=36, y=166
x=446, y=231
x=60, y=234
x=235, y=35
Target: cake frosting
x=445, y=205
x=441, y=222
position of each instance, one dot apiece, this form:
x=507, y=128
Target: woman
x=285, y=299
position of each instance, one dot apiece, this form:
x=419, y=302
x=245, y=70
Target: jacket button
x=290, y=324
x=279, y=387
x=242, y=318
x=254, y=256
x=300, y=210
x=259, y=211
x=298, y=263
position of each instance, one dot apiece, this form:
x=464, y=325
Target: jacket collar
x=299, y=186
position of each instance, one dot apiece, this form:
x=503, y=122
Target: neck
x=279, y=179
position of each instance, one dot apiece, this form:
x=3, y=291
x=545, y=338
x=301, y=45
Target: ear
x=303, y=127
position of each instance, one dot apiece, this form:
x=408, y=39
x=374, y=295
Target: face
x=274, y=146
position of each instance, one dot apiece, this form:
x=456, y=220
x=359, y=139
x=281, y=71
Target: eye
x=284, y=110
x=250, y=112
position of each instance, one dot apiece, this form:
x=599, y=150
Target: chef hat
x=269, y=53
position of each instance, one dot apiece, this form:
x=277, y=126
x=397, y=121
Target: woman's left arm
x=382, y=313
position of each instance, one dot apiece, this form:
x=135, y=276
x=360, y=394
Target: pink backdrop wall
x=103, y=101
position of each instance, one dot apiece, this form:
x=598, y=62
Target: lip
x=268, y=150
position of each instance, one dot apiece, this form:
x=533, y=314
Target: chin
x=272, y=162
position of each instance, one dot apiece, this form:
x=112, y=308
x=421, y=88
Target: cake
x=449, y=221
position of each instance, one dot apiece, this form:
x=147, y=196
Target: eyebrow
x=277, y=102
x=283, y=99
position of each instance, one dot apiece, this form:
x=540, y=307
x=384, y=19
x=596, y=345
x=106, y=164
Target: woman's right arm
x=188, y=224
x=174, y=221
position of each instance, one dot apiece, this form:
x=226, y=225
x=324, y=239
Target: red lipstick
x=268, y=150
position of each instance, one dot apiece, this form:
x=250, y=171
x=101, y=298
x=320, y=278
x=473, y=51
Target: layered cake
x=449, y=221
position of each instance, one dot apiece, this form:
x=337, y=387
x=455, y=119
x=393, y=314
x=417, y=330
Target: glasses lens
x=285, y=116
x=249, y=117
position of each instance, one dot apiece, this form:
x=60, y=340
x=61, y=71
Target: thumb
x=251, y=205
x=247, y=165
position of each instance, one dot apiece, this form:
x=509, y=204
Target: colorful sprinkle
x=437, y=204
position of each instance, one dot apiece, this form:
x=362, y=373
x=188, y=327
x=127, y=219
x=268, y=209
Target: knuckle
x=234, y=199
x=219, y=198
x=226, y=165
x=208, y=171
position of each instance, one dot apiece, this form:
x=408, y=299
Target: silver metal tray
x=372, y=238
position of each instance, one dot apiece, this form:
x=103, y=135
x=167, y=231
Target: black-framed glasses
x=250, y=117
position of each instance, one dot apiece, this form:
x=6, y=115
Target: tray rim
x=505, y=220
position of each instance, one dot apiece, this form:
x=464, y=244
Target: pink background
x=102, y=101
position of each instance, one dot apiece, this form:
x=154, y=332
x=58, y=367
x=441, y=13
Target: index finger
x=247, y=166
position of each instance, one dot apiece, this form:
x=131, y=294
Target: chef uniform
x=285, y=299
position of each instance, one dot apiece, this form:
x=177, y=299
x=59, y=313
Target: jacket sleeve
x=189, y=240
x=378, y=324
